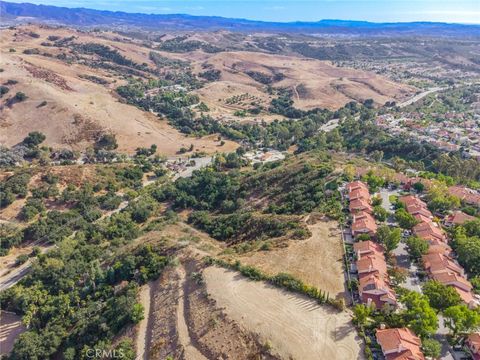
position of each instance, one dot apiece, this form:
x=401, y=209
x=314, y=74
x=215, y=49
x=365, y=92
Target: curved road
x=420, y=96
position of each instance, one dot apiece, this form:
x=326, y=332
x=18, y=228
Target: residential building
x=400, y=344
x=473, y=344
x=374, y=285
x=457, y=218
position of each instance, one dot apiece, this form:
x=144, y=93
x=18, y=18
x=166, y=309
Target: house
x=420, y=211
x=457, y=218
x=358, y=194
x=375, y=290
x=399, y=344
x=367, y=248
x=411, y=200
x=354, y=185
x=467, y=195
x=359, y=205
x=442, y=268
x=374, y=286
x=429, y=231
x=473, y=344
x=435, y=263
x=462, y=286
x=363, y=223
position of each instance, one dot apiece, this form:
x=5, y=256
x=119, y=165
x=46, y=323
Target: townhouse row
x=438, y=261
x=373, y=281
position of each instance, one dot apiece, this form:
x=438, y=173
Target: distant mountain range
x=14, y=12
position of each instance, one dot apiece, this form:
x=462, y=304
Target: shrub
x=21, y=259
x=20, y=96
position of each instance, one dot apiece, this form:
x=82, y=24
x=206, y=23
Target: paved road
x=199, y=163
x=403, y=261
x=420, y=96
x=329, y=126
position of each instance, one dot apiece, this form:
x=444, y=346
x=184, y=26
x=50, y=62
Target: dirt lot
x=186, y=324
x=317, y=260
x=10, y=327
x=313, y=331
x=211, y=331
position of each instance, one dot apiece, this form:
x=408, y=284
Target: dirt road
x=141, y=341
x=313, y=331
x=191, y=352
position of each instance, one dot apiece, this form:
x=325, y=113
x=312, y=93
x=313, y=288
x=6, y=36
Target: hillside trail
x=142, y=338
x=191, y=352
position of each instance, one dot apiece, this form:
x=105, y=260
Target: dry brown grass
x=74, y=118
x=317, y=260
x=296, y=327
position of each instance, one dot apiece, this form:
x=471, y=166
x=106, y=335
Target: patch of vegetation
x=211, y=75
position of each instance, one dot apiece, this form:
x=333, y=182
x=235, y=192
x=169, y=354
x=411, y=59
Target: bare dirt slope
x=317, y=260
x=314, y=83
x=10, y=327
x=77, y=110
x=313, y=331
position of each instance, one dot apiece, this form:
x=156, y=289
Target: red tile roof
x=363, y=222
x=429, y=231
x=458, y=218
x=356, y=185
x=400, y=344
x=473, y=343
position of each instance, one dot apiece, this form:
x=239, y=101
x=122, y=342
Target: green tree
x=34, y=139
x=361, y=312
x=419, y=187
x=137, y=313
x=380, y=213
x=460, y=319
x=419, y=316
x=404, y=219
x=416, y=247
x=388, y=237
x=440, y=296
x=468, y=250
x=107, y=142
x=20, y=96
x=431, y=348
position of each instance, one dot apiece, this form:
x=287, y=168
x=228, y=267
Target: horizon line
x=247, y=19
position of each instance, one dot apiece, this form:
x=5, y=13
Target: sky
x=454, y=11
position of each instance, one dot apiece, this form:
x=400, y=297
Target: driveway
x=403, y=260
x=386, y=204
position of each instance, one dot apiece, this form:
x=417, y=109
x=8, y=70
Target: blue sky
x=459, y=11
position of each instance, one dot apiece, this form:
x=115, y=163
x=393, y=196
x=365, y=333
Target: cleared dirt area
x=162, y=336
x=317, y=260
x=211, y=331
x=185, y=323
x=10, y=327
x=313, y=331
x=141, y=340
